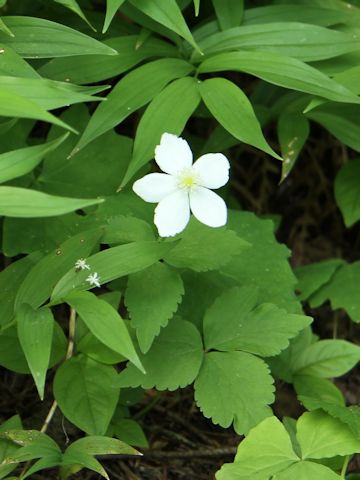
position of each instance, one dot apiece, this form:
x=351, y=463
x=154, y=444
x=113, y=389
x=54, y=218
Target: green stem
x=345, y=466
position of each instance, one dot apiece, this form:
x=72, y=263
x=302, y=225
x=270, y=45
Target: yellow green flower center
x=187, y=178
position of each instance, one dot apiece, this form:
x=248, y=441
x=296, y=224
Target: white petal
x=173, y=154
x=208, y=207
x=172, y=214
x=213, y=170
x=155, y=186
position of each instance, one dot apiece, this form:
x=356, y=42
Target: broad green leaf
x=131, y=93
x=317, y=389
x=40, y=38
x=4, y=28
x=164, y=114
x=34, y=444
x=74, y=7
x=49, y=94
x=340, y=120
x=7, y=448
x=105, y=323
x=113, y=263
x=347, y=192
x=23, y=202
x=40, y=281
x=91, y=386
x=130, y=432
x=306, y=471
x=235, y=319
x=125, y=229
x=99, y=445
x=229, y=13
x=341, y=290
x=265, y=264
x=294, y=39
x=293, y=130
x=234, y=386
x=313, y=276
x=280, y=70
x=265, y=451
x=112, y=6
x=221, y=246
x=322, y=436
x=234, y=112
x=19, y=162
x=152, y=297
x=85, y=69
x=327, y=358
x=172, y=362
x=12, y=64
x=75, y=461
x=168, y=14
x=50, y=461
x=13, y=105
x=35, y=329
x=350, y=79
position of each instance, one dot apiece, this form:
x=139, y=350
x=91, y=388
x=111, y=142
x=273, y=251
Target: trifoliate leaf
x=312, y=277
x=173, y=361
x=234, y=386
x=202, y=248
x=152, y=297
x=236, y=322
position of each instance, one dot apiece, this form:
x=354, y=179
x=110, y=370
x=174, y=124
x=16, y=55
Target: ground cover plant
x=154, y=156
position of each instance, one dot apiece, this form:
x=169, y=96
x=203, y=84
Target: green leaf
x=221, y=246
x=316, y=389
x=35, y=329
x=91, y=386
x=7, y=448
x=327, y=358
x=350, y=79
x=12, y=64
x=40, y=38
x=322, y=436
x=19, y=162
x=299, y=40
x=234, y=112
x=341, y=290
x=306, y=470
x=229, y=12
x=172, y=362
x=224, y=330
x=5, y=29
x=152, y=297
x=164, y=114
x=73, y=462
x=168, y=14
x=126, y=229
x=113, y=263
x=98, y=445
x=234, y=386
x=40, y=281
x=74, y=7
x=347, y=192
x=112, y=6
x=280, y=70
x=129, y=431
x=293, y=131
x=266, y=450
x=131, y=93
x=13, y=105
x=105, y=323
x=197, y=7
x=313, y=276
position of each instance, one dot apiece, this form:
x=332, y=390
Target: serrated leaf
x=112, y=263
x=152, y=297
x=322, y=436
x=272, y=440
x=173, y=361
x=92, y=387
x=347, y=192
x=234, y=387
x=235, y=319
x=229, y=12
x=293, y=131
x=221, y=246
x=112, y=6
x=35, y=331
x=131, y=93
x=327, y=358
x=40, y=38
x=313, y=276
x=232, y=109
x=306, y=470
x=164, y=114
x=105, y=323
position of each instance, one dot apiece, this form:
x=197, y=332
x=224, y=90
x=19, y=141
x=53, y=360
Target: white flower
x=81, y=264
x=94, y=279
x=184, y=186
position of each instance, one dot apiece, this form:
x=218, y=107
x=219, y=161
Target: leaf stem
x=345, y=466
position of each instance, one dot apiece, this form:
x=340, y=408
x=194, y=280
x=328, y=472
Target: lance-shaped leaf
x=232, y=109
x=229, y=12
x=112, y=6
x=35, y=330
x=347, y=192
x=4, y=28
x=13, y=64
x=74, y=7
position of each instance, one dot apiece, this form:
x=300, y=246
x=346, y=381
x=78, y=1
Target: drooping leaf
x=234, y=112
x=234, y=387
x=347, y=192
x=229, y=13
x=173, y=361
x=35, y=331
x=92, y=387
